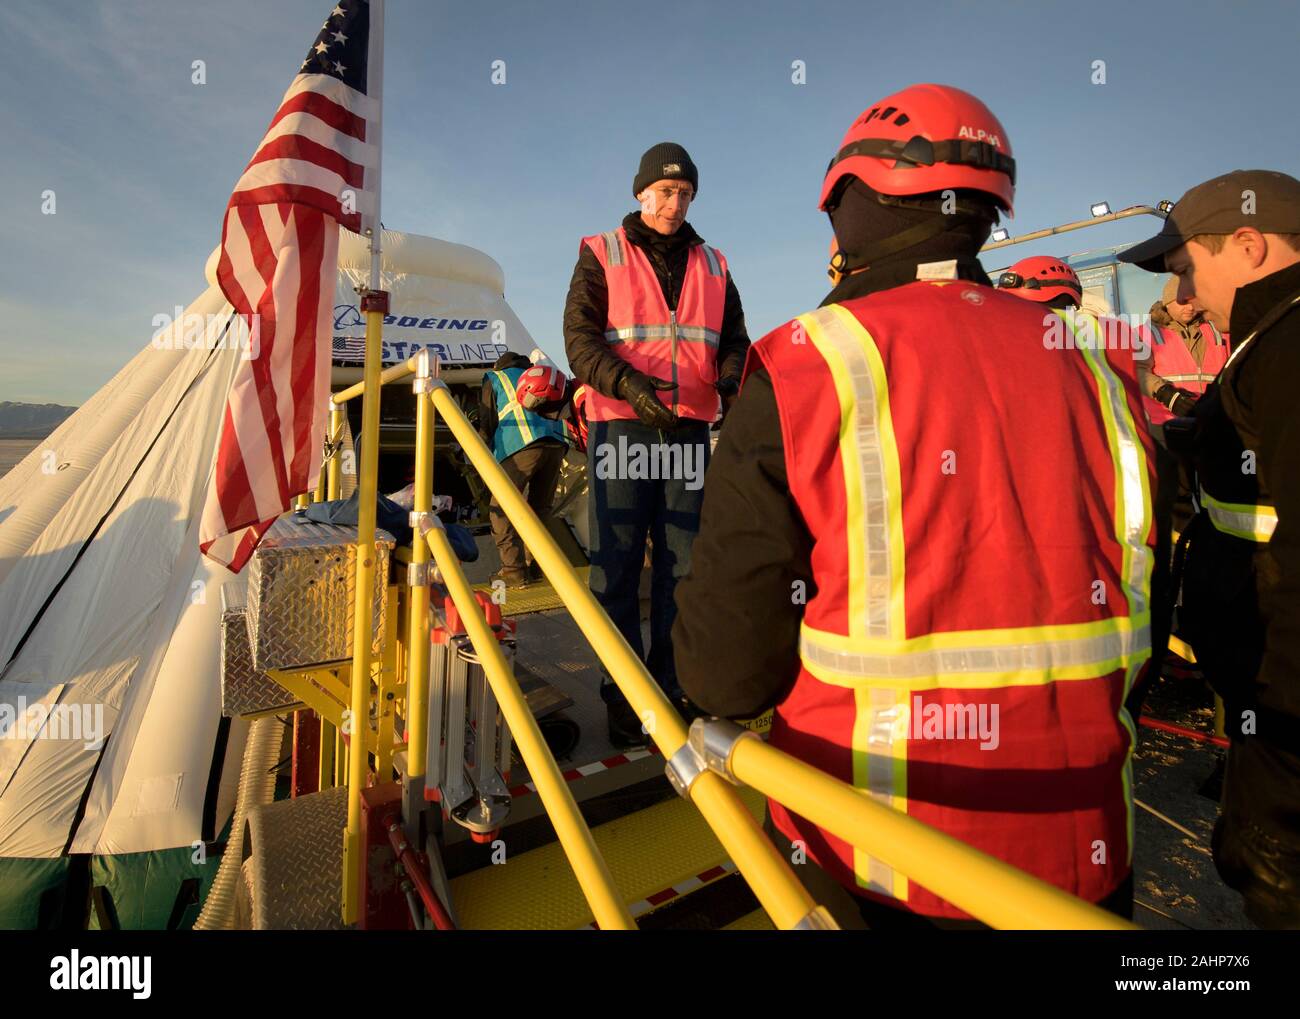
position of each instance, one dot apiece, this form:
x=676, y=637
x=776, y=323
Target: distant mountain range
x=31, y=420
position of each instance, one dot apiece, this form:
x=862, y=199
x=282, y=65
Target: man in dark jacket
x=652, y=312
x=1234, y=244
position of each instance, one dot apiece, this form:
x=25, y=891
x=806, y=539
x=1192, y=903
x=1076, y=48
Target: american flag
x=316, y=169
x=350, y=348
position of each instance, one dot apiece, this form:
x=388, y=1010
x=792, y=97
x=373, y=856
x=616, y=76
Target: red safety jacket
x=981, y=573
x=1172, y=361
x=680, y=345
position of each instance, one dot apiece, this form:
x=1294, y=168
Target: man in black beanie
x=654, y=325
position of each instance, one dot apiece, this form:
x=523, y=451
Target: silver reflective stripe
x=1033, y=659
x=1241, y=520
x=887, y=721
x=697, y=333
x=1198, y=377
x=664, y=332
x=711, y=256
x=1132, y=468
x=870, y=472
x=613, y=247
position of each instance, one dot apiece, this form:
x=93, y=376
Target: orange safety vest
x=1172, y=361
x=680, y=345
x=981, y=574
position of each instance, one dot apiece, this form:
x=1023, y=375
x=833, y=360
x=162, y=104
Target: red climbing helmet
x=926, y=138
x=541, y=389
x=1041, y=278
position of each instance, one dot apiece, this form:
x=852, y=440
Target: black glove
x=639, y=390
x=727, y=389
x=1180, y=401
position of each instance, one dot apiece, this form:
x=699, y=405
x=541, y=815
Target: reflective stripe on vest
x=1133, y=494
x=711, y=256
x=698, y=334
x=1250, y=522
x=614, y=247
x=875, y=659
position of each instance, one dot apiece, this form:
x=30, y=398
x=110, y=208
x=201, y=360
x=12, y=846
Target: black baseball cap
x=1267, y=200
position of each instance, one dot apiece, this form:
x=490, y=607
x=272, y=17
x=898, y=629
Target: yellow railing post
x=334, y=477
x=768, y=873
x=375, y=304
x=417, y=678
x=574, y=835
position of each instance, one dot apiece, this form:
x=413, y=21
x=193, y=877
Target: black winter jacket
x=1242, y=598
x=591, y=358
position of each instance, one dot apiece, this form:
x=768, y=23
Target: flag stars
x=339, y=68
x=339, y=37
x=320, y=47
x=337, y=12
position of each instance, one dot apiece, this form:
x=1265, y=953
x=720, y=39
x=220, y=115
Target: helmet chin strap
x=840, y=264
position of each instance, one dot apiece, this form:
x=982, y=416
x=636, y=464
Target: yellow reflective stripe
x=869, y=458
x=1248, y=521
x=1127, y=721
x=978, y=659
x=880, y=731
x=513, y=408
x=874, y=534
x=1132, y=486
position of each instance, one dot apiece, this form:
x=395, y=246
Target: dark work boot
x=625, y=730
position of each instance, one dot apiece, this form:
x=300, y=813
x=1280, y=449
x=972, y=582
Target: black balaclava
x=870, y=231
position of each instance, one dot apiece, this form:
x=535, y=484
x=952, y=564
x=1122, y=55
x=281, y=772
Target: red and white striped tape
x=675, y=891
x=594, y=768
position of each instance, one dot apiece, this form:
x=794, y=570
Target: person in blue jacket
x=530, y=448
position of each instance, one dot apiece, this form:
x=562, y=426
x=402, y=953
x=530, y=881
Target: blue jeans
x=644, y=481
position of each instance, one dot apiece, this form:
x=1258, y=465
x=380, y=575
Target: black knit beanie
x=665, y=161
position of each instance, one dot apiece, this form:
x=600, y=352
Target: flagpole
x=375, y=305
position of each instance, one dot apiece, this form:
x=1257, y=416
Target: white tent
x=108, y=612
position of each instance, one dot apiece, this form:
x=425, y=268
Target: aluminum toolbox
x=301, y=589
x=244, y=690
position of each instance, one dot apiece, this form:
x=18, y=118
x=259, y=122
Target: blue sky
x=99, y=107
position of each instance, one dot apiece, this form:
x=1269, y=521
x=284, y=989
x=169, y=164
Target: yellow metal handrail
x=987, y=888
x=769, y=875
x=982, y=885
